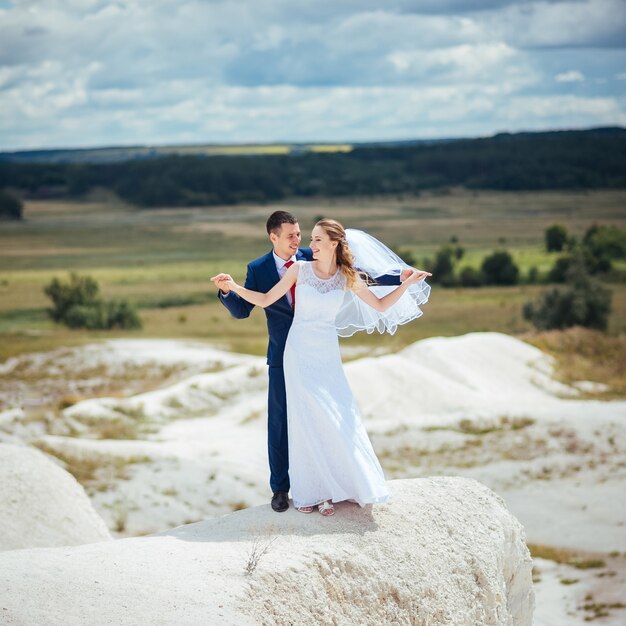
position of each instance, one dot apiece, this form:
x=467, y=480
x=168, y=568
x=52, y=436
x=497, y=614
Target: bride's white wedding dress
x=330, y=454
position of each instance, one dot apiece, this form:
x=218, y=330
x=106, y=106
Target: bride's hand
x=409, y=271
x=228, y=285
x=406, y=273
x=416, y=276
x=223, y=282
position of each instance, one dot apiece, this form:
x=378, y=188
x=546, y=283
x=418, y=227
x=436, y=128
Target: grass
x=174, y=403
x=472, y=427
x=578, y=560
x=91, y=471
x=129, y=423
x=258, y=548
x=482, y=442
x=63, y=383
x=464, y=455
x=598, y=610
x=161, y=261
x=583, y=354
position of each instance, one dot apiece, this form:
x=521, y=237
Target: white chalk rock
x=444, y=551
x=42, y=504
x=476, y=373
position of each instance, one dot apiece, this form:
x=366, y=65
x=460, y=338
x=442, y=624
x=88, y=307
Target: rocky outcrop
x=445, y=551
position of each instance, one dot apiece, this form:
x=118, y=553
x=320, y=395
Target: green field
x=121, y=153
x=162, y=259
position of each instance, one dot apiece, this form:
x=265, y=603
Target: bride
x=330, y=455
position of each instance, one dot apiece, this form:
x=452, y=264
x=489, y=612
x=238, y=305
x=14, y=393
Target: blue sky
x=79, y=73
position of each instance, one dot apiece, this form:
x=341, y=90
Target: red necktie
x=293, y=287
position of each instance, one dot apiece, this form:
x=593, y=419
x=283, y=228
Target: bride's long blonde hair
x=345, y=258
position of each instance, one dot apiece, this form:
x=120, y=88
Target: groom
x=263, y=274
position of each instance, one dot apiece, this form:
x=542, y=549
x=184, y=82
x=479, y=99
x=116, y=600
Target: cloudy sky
x=77, y=73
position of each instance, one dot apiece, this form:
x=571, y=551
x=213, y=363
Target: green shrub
x=594, y=262
x=556, y=238
x=77, y=304
x=80, y=291
x=499, y=269
x=471, y=277
x=442, y=267
x=91, y=316
x=444, y=263
x=607, y=241
x=121, y=314
x=584, y=302
x=533, y=276
x=10, y=206
x=558, y=271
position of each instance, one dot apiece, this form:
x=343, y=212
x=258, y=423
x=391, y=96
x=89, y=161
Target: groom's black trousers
x=277, y=442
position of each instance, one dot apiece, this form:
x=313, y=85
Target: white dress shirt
x=282, y=270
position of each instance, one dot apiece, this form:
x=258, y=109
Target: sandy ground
x=482, y=406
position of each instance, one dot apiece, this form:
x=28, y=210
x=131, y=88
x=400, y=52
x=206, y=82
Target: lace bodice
x=317, y=300
x=306, y=276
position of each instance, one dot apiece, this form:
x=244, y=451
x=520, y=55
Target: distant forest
x=589, y=159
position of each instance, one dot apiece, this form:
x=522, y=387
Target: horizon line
x=300, y=143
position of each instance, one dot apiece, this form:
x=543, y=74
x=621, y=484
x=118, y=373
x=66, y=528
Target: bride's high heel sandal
x=326, y=508
x=305, y=509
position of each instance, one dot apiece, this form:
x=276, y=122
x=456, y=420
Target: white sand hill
x=483, y=405
x=445, y=551
x=41, y=504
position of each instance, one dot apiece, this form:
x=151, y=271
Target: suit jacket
x=262, y=276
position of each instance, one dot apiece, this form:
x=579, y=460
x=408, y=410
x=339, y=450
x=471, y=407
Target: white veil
x=376, y=259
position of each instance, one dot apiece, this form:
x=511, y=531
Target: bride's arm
x=265, y=299
x=384, y=303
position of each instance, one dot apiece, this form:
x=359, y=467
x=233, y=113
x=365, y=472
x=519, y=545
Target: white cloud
x=572, y=76
x=593, y=23
x=85, y=72
x=242, y=114
x=466, y=63
x=564, y=112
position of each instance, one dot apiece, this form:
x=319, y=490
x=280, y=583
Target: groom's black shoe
x=280, y=501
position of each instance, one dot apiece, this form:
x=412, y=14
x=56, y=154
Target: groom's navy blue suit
x=262, y=276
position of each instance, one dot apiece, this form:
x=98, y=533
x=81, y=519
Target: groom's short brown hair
x=277, y=219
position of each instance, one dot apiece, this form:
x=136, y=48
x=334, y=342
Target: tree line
x=526, y=161
x=579, y=299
